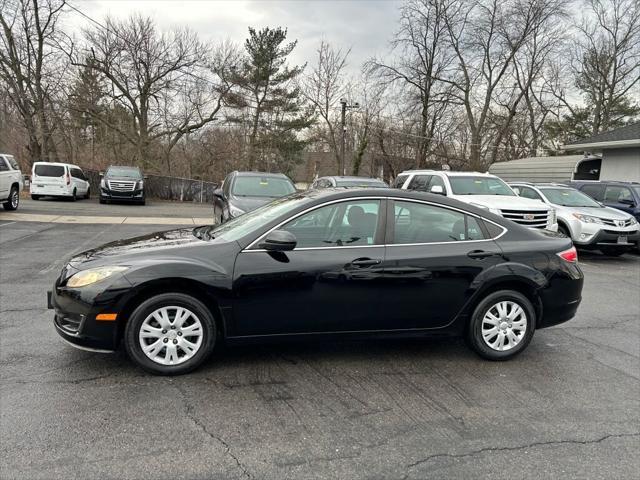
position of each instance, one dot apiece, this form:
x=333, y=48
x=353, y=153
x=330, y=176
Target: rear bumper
x=50, y=190
x=562, y=297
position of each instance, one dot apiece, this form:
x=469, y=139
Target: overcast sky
x=366, y=26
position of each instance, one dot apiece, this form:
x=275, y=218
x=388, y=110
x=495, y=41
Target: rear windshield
x=262, y=187
x=130, y=172
x=49, y=170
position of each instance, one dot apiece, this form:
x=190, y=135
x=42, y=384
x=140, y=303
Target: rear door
x=433, y=255
x=47, y=175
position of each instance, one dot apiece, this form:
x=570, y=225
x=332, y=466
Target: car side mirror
x=218, y=193
x=279, y=241
x=146, y=177
x=101, y=174
x=516, y=190
x=437, y=189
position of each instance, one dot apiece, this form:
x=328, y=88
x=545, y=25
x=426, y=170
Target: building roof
x=628, y=136
x=538, y=169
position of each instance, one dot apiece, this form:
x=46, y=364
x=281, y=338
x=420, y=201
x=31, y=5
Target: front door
x=433, y=256
x=329, y=283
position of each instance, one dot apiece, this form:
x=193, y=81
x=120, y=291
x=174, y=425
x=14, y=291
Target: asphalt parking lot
x=567, y=407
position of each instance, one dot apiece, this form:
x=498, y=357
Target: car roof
x=347, y=177
x=449, y=173
x=123, y=166
x=260, y=174
x=604, y=182
x=59, y=164
x=544, y=184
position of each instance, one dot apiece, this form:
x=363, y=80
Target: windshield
x=255, y=186
x=568, y=197
x=49, y=170
x=129, y=172
x=244, y=224
x=479, y=186
x=365, y=182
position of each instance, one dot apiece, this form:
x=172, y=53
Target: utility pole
x=344, y=105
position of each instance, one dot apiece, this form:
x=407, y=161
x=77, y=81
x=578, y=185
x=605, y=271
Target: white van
x=58, y=180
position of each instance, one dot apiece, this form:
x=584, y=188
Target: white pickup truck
x=10, y=182
x=482, y=190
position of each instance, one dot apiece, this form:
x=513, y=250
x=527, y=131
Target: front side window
x=527, y=192
x=256, y=186
x=337, y=225
x=617, y=194
x=77, y=173
x=476, y=185
x=3, y=165
x=422, y=223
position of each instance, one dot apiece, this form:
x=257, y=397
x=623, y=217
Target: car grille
x=69, y=322
x=121, y=185
x=616, y=223
x=528, y=218
x=617, y=232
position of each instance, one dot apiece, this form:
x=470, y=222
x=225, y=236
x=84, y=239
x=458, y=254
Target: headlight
x=103, y=183
x=553, y=215
x=633, y=221
x=235, y=211
x=140, y=185
x=92, y=275
x=587, y=218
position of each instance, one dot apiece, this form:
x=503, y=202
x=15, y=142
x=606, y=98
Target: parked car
x=588, y=223
x=122, y=184
x=242, y=192
x=481, y=190
x=58, y=180
x=11, y=182
x=316, y=265
x=623, y=196
x=342, y=181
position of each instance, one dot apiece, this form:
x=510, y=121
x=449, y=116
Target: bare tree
x=323, y=87
x=162, y=79
x=31, y=67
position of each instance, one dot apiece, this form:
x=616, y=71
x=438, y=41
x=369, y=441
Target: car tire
x=74, y=196
x=87, y=195
x=145, y=317
x=143, y=202
x=13, y=201
x=564, y=230
x=35, y=197
x=613, y=251
x=485, y=342
x=102, y=201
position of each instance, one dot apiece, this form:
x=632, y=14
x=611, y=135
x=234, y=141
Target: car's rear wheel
x=74, y=195
x=613, y=251
x=502, y=325
x=13, y=201
x=170, y=334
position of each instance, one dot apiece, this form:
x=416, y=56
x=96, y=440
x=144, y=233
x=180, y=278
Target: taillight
x=68, y=177
x=570, y=255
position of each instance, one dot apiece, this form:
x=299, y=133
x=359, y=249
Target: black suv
x=623, y=196
x=122, y=184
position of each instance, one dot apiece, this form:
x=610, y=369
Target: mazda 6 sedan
x=320, y=264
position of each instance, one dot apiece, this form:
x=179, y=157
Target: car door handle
x=365, y=262
x=480, y=254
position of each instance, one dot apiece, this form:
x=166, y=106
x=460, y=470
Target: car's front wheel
x=170, y=334
x=502, y=325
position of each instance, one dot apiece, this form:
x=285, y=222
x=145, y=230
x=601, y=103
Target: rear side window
x=422, y=223
x=49, y=170
x=77, y=173
x=3, y=165
x=419, y=183
x=12, y=162
x=594, y=191
x=399, y=181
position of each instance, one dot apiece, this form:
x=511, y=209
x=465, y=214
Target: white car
x=58, y=180
x=482, y=190
x=590, y=224
x=10, y=182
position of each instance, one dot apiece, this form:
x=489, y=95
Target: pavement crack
x=514, y=448
x=189, y=411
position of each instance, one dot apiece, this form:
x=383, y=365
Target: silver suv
x=590, y=224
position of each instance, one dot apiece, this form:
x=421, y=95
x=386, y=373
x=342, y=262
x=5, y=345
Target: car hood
x=503, y=202
x=600, y=212
x=147, y=243
x=249, y=203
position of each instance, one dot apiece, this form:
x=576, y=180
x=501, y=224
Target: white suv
x=58, y=180
x=482, y=190
x=10, y=182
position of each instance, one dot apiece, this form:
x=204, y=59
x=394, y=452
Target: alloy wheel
x=504, y=325
x=171, y=335
x=15, y=199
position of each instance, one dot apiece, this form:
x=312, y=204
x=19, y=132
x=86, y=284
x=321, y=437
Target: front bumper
x=75, y=312
x=133, y=196
x=610, y=238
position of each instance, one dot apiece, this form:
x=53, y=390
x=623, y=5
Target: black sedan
x=242, y=192
x=318, y=264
